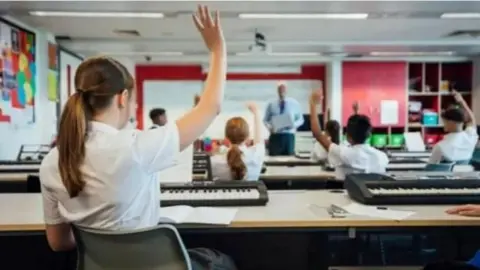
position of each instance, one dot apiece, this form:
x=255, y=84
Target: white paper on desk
x=282, y=121
x=388, y=112
x=414, y=142
x=198, y=215
x=373, y=211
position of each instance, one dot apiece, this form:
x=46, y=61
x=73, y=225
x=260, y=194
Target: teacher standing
x=282, y=141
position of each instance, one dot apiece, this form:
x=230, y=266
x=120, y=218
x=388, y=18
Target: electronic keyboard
x=217, y=193
x=449, y=188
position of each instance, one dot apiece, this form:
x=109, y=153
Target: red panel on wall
x=371, y=82
x=195, y=73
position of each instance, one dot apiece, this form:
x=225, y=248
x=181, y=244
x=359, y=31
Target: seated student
x=158, y=117
x=359, y=156
x=241, y=162
x=459, y=143
x=332, y=128
x=102, y=176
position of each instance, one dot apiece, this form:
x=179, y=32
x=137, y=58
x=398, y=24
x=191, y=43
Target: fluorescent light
x=142, y=53
x=411, y=53
x=460, y=16
x=279, y=54
x=303, y=16
x=98, y=14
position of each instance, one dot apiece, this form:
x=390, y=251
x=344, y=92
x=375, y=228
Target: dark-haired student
x=241, y=162
x=103, y=176
x=158, y=117
x=356, y=158
x=332, y=129
x=458, y=143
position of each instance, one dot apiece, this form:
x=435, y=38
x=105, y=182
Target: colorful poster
x=17, y=75
x=52, y=72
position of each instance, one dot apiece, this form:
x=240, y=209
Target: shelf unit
x=429, y=84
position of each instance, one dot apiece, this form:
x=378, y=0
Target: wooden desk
x=286, y=209
x=297, y=173
x=15, y=176
x=290, y=161
x=20, y=168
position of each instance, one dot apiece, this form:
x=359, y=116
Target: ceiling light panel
x=144, y=15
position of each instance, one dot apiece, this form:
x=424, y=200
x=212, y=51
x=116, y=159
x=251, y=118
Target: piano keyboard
x=231, y=193
x=380, y=189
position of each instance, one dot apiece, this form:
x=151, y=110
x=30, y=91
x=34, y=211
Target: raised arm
x=196, y=121
x=318, y=134
x=257, y=126
x=355, y=107
x=471, y=117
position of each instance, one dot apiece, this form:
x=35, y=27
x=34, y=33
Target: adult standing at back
x=282, y=118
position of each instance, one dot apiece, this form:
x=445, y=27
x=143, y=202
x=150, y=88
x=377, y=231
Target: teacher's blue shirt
x=290, y=106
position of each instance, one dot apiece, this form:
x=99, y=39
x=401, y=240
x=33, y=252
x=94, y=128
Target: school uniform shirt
x=288, y=106
x=120, y=169
x=319, y=153
x=455, y=146
x=359, y=158
x=253, y=158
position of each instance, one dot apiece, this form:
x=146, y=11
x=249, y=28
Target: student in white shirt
x=102, y=176
x=458, y=143
x=332, y=130
x=358, y=157
x=158, y=117
x=241, y=162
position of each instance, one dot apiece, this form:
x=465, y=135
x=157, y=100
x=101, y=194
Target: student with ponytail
x=241, y=162
x=104, y=176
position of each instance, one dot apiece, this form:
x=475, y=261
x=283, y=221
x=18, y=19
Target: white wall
x=66, y=60
x=177, y=96
x=41, y=132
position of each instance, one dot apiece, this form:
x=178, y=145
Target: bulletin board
x=18, y=83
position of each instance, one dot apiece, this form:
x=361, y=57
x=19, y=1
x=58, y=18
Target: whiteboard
x=176, y=97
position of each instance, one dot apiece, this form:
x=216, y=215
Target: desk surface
x=23, y=212
x=297, y=172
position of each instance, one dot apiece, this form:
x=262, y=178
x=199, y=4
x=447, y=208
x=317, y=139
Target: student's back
x=119, y=167
x=252, y=157
x=241, y=162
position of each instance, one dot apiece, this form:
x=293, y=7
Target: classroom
x=239, y=135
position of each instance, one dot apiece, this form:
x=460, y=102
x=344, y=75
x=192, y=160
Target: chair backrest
x=157, y=248
x=440, y=167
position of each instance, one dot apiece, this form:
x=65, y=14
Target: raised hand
x=209, y=28
x=355, y=107
x=316, y=97
x=252, y=107
x=458, y=97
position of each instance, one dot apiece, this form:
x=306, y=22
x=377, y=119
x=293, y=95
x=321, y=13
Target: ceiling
x=392, y=26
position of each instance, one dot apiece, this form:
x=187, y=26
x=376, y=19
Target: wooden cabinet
x=370, y=83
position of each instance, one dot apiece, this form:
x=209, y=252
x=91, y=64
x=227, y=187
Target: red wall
x=371, y=82
x=194, y=73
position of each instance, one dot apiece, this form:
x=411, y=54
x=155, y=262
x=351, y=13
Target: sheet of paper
x=414, y=142
x=177, y=213
x=211, y=215
x=374, y=211
x=282, y=121
x=181, y=171
x=388, y=112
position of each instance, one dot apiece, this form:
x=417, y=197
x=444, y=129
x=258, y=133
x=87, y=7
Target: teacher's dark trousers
x=281, y=144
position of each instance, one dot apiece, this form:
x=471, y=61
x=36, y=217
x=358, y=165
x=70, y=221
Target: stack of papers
x=198, y=215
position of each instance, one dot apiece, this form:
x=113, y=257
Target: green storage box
x=396, y=140
x=378, y=140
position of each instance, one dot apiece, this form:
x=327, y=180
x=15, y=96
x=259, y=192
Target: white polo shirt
x=122, y=190
x=253, y=158
x=455, y=146
x=320, y=154
x=360, y=158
